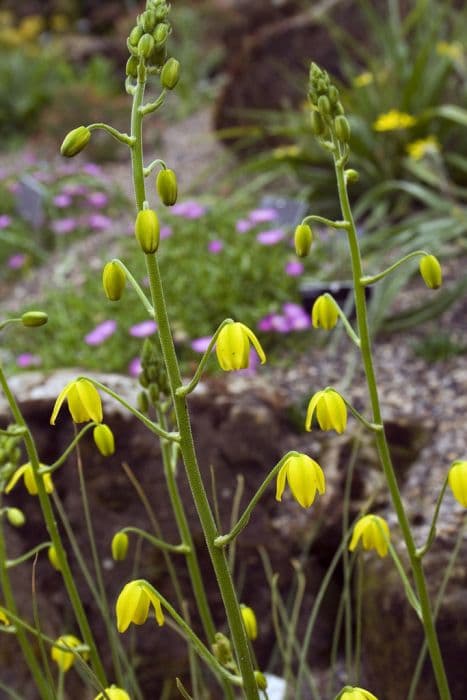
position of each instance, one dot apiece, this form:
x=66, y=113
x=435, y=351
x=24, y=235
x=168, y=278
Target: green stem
x=370, y=279
x=218, y=558
x=63, y=457
x=10, y=563
x=123, y=138
x=145, y=301
x=156, y=542
x=54, y=534
x=348, y=328
x=148, y=170
x=327, y=222
x=432, y=533
x=381, y=441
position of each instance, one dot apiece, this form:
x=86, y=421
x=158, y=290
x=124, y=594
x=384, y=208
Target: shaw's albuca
x=305, y=478
x=349, y=693
x=26, y=471
x=330, y=410
x=133, y=605
x=374, y=533
x=83, y=399
x=458, y=481
x=65, y=659
x=233, y=347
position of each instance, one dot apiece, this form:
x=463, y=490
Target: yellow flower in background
x=362, y=80
x=393, y=121
x=233, y=347
x=30, y=27
x=26, y=471
x=451, y=49
x=330, y=410
x=282, y=152
x=349, y=693
x=457, y=480
x=374, y=533
x=65, y=659
x=59, y=23
x=422, y=147
x=324, y=313
x=305, y=478
x=113, y=693
x=83, y=399
x=3, y=619
x=249, y=620
x=133, y=605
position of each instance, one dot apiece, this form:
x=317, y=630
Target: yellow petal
x=90, y=399
x=280, y=483
x=156, y=604
x=255, y=342
x=311, y=409
x=58, y=403
x=16, y=477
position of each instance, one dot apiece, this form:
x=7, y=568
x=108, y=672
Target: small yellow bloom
x=53, y=558
x=104, y=439
x=330, y=410
x=458, y=481
x=349, y=693
x=65, y=659
x=324, y=312
x=133, y=605
x=233, y=347
x=431, y=272
x=393, y=121
x=363, y=79
x=119, y=546
x=113, y=693
x=305, y=478
x=29, y=479
x=421, y=147
x=249, y=620
x=374, y=533
x=3, y=619
x=84, y=402
x=451, y=49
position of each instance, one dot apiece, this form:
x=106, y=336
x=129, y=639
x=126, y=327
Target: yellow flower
x=330, y=410
x=113, y=693
x=233, y=347
x=29, y=479
x=305, y=478
x=119, y=546
x=104, y=439
x=349, y=693
x=133, y=605
x=324, y=312
x=249, y=620
x=363, y=79
x=30, y=27
x=451, y=49
x=421, y=147
x=393, y=121
x=3, y=619
x=431, y=272
x=53, y=558
x=282, y=152
x=83, y=399
x=458, y=481
x=374, y=533
x=65, y=659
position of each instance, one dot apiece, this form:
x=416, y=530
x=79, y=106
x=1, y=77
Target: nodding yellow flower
x=249, y=620
x=363, y=79
x=374, y=533
x=119, y=546
x=330, y=410
x=421, y=147
x=451, y=49
x=84, y=402
x=65, y=659
x=349, y=693
x=324, y=313
x=431, y=272
x=305, y=478
x=233, y=347
x=3, y=619
x=26, y=471
x=393, y=121
x=113, y=693
x=133, y=605
x=457, y=479
x=104, y=439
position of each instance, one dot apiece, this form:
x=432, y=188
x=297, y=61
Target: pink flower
x=215, y=246
x=143, y=329
x=243, y=225
x=92, y=169
x=134, y=368
x=27, y=359
x=5, y=220
x=270, y=237
x=296, y=316
x=13, y=187
x=274, y=323
x=64, y=226
x=101, y=332
x=201, y=344
x=294, y=268
x=189, y=210
x=97, y=199
x=74, y=189
x=99, y=222
x=165, y=232
x=62, y=200
x=16, y=261
x=261, y=215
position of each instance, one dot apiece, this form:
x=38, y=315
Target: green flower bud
x=15, y=517
x=161, y=33
x=142, y=402
x=351, y=176
x=170, y=74
x=34, y=318
x=324, y=312
x=342, y=128
x=318, y=126
x=333, y=94
x=147, y=230
x=75, y=141
x=148, y=20
x=166, y=184
x=154, y=393
x=131, y=67
x=53, y=559
x=119, y=546
x=161, y=12
x=303, y=239
x=104, y=439
x=135, y=35
x=324, y=105
x=430, y=270
x=145, y=46
x=249, y=620
x=113, y=281
x=261, y=680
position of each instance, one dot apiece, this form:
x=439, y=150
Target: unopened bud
x=75, y=141
x=342, y=128
x=135, y=35
x=145, y=45
x=333, y=94
x=34, y=318
x=430, y=270
x=249, y=620
x=148, y=20
x=161, y=33
x=317, y=123
x=131, y=67
x=147, y=230
x=113, y=281
x=15, y=517
x=324, y=105
x=351, y=176
x=324, y=312
x=104, y=439
x=53, y=558
x=170, y=74
x=303, y=238
x=119, y=546
x=261, y=680
x=166, y=184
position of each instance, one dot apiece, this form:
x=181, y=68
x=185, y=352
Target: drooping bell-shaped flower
x=374, y=533
x=330, y=410
x=83, y=399
x=305, y=478
x=349, y=693
x=65, y=659
x=26, y=471
x=113, y=693
x=233, y=347
x=457, y=480
x=133, y=605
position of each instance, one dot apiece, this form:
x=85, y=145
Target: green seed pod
x=119, y=546
x=154, y=393
x=431, y=272
x=303, y=238
x=142, y=402
x=75, y=141
x=342, y=128
x=166, y=185
x=324, y=105
x=34, y=318
x=161, y=33
x=318, y=125
x=15, y=517
x=145, y=46
x=131, y=67
x=148, y=20
x=351, y=176
x=147, y=230
x=170, y=74
x=135, y=35
x=113, y=281
x=104, y=439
